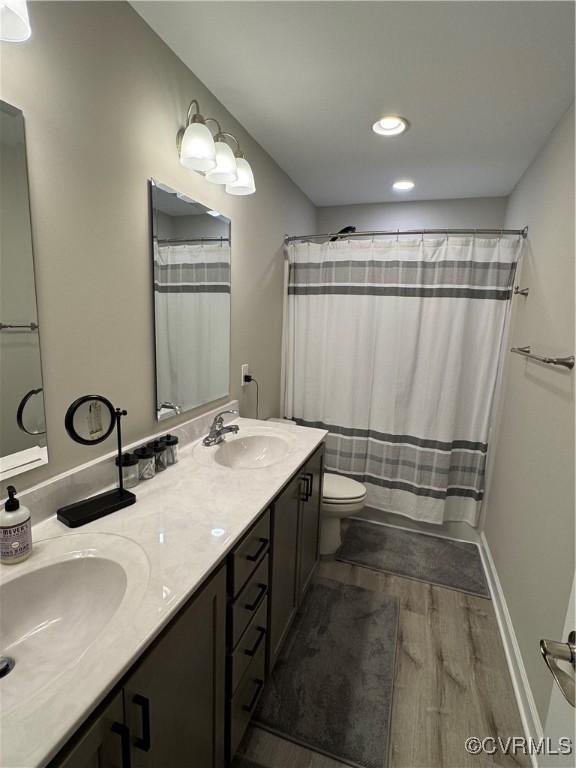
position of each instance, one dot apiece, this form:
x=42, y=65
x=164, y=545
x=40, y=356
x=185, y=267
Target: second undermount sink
x=253, y=447
x=55, y=606
x=251, y=451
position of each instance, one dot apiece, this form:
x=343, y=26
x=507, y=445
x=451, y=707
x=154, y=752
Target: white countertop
x=184, y=522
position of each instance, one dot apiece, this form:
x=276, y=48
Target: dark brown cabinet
x=295, y=547
x=170, y=711
x=102, y=741
x=309, y=520
x=174, y=700
x=188, y=700
x=283, y=588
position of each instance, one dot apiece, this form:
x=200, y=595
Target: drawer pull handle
x=144, y=742
x=308, y=479
x=262, y=589
x=261, y=636
x=261, y=549
x=124, y=732
x=250, y=707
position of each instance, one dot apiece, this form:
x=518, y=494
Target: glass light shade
x=14, y=22
x=244, y=184
x=225, y=171
x=197, y=151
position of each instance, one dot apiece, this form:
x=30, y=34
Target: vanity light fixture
x=403, y=185
x=390, y=125
x=195, y=142
x=14, y=22
x=199, y=150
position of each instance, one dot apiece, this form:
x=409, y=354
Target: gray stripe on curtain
x=457, y=273
x=437, y=445
x=373, y=290
x=195, y=288
x=417, y=490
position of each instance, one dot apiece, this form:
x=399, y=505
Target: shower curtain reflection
x=192, y=307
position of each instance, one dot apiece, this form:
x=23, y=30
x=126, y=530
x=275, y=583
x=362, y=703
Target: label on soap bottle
x=15, y=541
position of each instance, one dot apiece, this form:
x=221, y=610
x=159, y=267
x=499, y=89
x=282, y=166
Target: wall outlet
x=245, y=371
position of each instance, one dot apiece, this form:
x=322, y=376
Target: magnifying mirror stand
x=88, y=510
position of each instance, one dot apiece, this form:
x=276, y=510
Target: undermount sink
x=253, y=448
x=51, y=612
x=251, y=452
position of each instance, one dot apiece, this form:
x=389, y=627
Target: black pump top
x=169, y=439
x=12, y=504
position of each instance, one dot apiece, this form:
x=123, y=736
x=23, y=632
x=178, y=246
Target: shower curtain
x=192, y=307
x=394, y=347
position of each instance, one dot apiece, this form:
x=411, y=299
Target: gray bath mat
x=447, y=563
x=331, y=689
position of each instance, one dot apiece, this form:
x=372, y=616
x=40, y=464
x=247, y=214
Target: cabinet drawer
x=249, y=551
x=249, y=600
x=246, y=698
x=253, y=638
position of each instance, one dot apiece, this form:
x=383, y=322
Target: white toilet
x=341, y=497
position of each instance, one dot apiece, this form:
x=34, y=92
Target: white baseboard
x=524, y=698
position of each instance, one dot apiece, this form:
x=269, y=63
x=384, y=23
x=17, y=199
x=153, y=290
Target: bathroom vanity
x=219, y=561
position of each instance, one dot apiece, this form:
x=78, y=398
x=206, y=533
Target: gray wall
x=103, y=98
x=475, y=212
x=530, y=506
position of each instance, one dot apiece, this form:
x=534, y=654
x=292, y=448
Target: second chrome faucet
x=218, y=430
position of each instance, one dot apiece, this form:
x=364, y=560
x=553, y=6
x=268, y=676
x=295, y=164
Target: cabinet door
x=284, y=562
x=104, y=744
x=175, y=699
x=309, y=528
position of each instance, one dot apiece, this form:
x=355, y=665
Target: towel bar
x=566, y=362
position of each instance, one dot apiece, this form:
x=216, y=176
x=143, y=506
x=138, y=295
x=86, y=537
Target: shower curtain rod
x=397, y=232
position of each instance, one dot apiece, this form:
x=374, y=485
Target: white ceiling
x=482, y=83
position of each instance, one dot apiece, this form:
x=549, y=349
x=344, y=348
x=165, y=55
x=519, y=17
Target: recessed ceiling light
x=213, y=213
x=403, y=185
x=390, y=125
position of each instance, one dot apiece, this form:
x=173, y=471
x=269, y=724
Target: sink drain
x=6, y=665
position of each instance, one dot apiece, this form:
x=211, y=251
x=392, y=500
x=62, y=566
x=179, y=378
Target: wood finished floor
x=451, y=681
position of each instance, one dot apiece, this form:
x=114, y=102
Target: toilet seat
x=342, y=490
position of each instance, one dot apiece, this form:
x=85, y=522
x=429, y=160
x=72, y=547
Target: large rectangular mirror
x=191, y=262
x=22, y=422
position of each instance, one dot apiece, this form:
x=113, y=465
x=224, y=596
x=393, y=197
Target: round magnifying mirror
x=90, y=419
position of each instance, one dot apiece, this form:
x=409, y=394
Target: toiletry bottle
x=15, y=530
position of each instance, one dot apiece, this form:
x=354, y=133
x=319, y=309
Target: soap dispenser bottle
x=15, y=530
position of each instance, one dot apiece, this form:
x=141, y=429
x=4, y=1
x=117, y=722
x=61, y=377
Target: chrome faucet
x=218, y=430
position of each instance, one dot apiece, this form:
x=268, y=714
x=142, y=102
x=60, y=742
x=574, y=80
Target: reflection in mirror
x=90, y=419
x=191, y=252
x=22, y=424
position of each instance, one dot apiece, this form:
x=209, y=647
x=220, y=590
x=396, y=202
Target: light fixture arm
x=218, y=127
x=196, y=117
x=225, y=135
